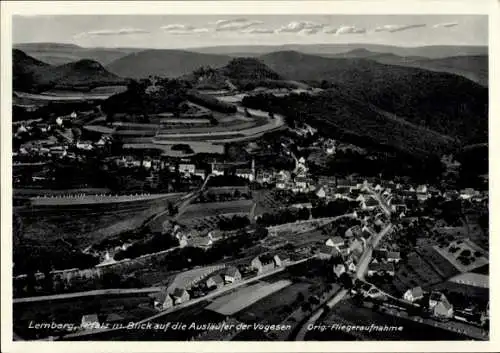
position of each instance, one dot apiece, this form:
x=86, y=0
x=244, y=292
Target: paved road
x=367, y=254
x=360, y=273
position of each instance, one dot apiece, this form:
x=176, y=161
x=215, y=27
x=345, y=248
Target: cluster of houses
x=383, y=262
x=348, y=250
x=166, y=299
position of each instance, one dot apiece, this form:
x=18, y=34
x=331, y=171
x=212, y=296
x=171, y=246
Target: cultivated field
x=86, y=223
x=131, y=308
x=274, y=308
x=232, y=303
x=216, y=208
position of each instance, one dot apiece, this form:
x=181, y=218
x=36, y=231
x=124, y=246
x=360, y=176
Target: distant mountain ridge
x=166, y=63
x=30, y=74
x=473, y=67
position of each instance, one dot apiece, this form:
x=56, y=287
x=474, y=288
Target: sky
x=190, y=31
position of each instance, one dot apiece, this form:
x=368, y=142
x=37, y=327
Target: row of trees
x=157, y=242
x=236, y=222
x=319, y=210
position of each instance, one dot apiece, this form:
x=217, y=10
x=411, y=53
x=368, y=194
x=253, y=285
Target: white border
x=8, y=8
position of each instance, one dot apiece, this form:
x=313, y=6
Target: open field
x=131, y=308
x=87, y=223
x=206, y=224
x=440, y=264
x=274, y=308
x=216, y=208
x=245, y=297
x=416, y=272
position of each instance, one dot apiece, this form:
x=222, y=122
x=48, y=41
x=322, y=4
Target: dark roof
x=160, y=296
x=266, y=258
x=436, y=296
x=417, y=291
x=217, y=279
x=325, y=249
x=387, y=267
x=178, y=292
x=231, y=271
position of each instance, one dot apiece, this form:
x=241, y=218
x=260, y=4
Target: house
x=435, y=298
x=162, y=300
x=357, y=245
x=422, y=193
x=264, y=177
x=180, y=295
x=327, y=252
x=380, y=254
x=387, y=268
x=393, y=256
x=413, y=294
x=373, y=269
x=369, y=204
x=335, y=242
x=245, y=174
x=321, y=192
x=199, y=173
x=344, y=249
x=90, y=321
x=187, y=168
x=215, y=281
x=468, y=193
x=351, y=266
x=339, y=269
x=218, y=169
x=264, y=263
x=231, y=275
x=443, y=309
x=301, y=183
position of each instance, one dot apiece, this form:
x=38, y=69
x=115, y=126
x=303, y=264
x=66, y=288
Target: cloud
x=258, y=31
x=309, y=31
x=112, y=32
x=448, y=24
x=237, y=24
x=180, y=29
x=298, y=26
x=350, y=30
x=398, y=28
x=330, y=30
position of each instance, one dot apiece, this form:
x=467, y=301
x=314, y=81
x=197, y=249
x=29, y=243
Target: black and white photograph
x=249, y=177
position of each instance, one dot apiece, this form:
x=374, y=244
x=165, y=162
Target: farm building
x=215, y=281
x=265, y=263
x=231, y=275
x=179, y=296
x=413, y=294
x=162, y=300
x=90, y=321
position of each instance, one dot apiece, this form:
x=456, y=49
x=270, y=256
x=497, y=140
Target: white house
x=339, y=269
x=413, y=294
